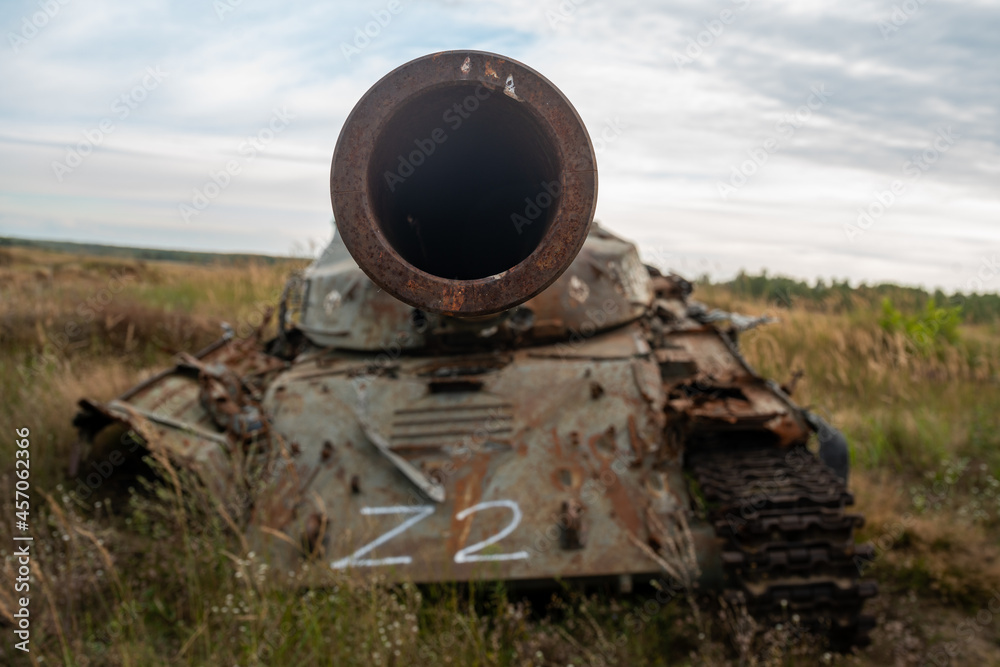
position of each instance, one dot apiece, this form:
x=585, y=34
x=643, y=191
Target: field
x=141, y=573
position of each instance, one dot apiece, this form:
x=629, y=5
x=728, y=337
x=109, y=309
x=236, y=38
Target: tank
x=475, y=381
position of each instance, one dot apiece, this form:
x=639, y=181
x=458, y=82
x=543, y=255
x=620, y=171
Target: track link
x=788, y=542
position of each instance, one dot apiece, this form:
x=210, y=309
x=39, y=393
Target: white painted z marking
x=419, y=513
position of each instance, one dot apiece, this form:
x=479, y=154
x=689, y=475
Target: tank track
x=788, y=542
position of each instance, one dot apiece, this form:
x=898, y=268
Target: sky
x=811, y=139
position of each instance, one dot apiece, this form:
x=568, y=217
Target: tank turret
x=464, y=184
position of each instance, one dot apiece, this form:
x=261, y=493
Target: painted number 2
x=418, y=513
x=468, y=555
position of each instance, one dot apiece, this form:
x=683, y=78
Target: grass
x=145, y=575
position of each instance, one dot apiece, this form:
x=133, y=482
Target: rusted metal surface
x=170, y=413
x=549, y=441
x=523, y=433
x=468, y=165
x=605, y=286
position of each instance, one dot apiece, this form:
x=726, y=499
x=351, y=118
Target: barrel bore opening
x=464, y=181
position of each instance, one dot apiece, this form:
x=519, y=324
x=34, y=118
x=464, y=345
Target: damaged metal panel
x=517, y=441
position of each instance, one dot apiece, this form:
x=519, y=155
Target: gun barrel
x=463, y=182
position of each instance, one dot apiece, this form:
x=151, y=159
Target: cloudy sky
x=734, y=134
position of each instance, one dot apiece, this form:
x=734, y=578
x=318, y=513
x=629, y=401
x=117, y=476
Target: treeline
x=146, y=254
x=840, y=296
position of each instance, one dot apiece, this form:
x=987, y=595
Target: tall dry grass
x=73, y=326
x=151, y=576
x=900, y=408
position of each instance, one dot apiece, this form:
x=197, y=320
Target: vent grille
x=451, y=425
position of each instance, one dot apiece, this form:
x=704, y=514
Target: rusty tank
x=475, y=381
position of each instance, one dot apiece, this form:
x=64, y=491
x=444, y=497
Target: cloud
x=682, y=127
